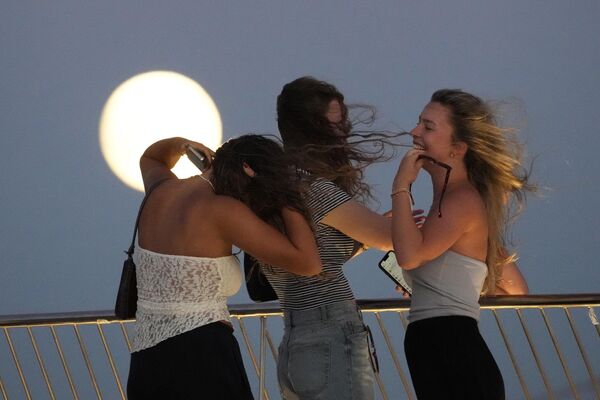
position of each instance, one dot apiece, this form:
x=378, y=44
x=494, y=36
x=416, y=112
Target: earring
x=451, y=155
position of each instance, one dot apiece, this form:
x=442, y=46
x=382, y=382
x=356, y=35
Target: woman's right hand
x=160, y=157
x=408, y=169
x=405, y=294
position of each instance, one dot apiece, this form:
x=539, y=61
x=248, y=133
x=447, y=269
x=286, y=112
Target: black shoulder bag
x=126, y=304
x=259, y=288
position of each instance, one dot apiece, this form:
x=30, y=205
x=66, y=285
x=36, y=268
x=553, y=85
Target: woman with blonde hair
x=459, y=252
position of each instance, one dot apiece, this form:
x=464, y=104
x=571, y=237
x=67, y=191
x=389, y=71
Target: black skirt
x=204, y=363
x=448, y=359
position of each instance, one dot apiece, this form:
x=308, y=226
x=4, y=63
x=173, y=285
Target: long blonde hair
x=494, y=166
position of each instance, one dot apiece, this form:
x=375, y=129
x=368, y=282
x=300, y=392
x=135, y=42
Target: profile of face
x=311, y=112
x=434, y=133
x=336, y=118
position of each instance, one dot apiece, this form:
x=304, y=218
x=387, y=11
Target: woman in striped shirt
x=324, y=352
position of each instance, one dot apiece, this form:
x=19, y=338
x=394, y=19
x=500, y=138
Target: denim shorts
x=324, y=354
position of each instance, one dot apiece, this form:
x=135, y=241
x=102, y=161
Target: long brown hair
x=339, y=153
x=494, y=166
x=276, y=184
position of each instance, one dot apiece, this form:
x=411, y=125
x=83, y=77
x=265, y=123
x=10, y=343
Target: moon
x=152, y=106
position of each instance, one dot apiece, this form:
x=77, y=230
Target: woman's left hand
x=197, y=145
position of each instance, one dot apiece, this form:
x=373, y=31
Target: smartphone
x=389, y=265
x=199, y=159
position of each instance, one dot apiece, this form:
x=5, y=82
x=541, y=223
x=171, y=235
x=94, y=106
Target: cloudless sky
x=66, y=219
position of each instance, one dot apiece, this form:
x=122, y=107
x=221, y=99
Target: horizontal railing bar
x=57, y=318
x=273, y=309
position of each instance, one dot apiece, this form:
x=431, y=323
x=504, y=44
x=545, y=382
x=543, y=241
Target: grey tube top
x=448, y=285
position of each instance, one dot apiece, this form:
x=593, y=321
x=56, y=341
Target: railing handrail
x=560, y=341
x=273, y=308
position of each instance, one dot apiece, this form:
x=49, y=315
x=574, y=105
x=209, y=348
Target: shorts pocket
x=309, y=367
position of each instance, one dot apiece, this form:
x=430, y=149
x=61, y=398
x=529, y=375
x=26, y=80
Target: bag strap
x=137, y=220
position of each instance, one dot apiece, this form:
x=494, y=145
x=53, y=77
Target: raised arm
x=460, y=228
x=160, y=157
x=296, y=253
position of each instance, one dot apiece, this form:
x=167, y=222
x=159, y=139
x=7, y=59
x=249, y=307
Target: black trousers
x=448, y=359
x=204, y=363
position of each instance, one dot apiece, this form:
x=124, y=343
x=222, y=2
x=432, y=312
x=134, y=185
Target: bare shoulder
x=236, y=222
x=224, y=204
x=226, y=208
x=466, y=202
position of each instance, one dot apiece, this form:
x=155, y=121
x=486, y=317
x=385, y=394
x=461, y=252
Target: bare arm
x=296, y=253
x=361, y=224
x=463, y=209
x=512, y=281
x=414, y=246
x=160, y=157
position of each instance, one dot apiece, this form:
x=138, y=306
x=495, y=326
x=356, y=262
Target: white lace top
x=179, y=293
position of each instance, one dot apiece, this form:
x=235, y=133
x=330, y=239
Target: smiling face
x=434, y=132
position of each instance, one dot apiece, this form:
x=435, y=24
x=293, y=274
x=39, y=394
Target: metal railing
x=548, y=347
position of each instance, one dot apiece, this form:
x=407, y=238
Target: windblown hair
x=332, y=151
x=493, y=163
x=276, y=184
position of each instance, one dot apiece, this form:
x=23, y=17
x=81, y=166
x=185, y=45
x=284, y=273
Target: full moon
x=149, y=107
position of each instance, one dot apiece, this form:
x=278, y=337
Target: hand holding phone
x=196, y=157
x=390, y=267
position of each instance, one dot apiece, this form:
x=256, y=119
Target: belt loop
x=323, y=311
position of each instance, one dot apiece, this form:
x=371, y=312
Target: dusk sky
x=66, y=218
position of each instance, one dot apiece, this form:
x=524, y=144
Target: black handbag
x=259, y=288
x=126, y=304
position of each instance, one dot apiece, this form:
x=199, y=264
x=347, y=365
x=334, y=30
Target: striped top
x=303, y=292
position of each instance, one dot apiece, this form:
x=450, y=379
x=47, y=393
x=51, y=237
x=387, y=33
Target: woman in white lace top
x=184, y=345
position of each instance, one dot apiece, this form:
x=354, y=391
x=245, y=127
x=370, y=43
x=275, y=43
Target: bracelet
x=402, y=190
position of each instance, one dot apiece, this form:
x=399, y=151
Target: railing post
x=395, y=359
x=4, y=395
x=253, y=359
x=535, y=356
x=88, y=362
x=512, y=356
x=40, y=363
x=263, y=356
x=17, y=363
x=560, y=355
x=111, y=362
x=125, y=335
x=586, y=361
x=594, y=319
x=64, y=363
